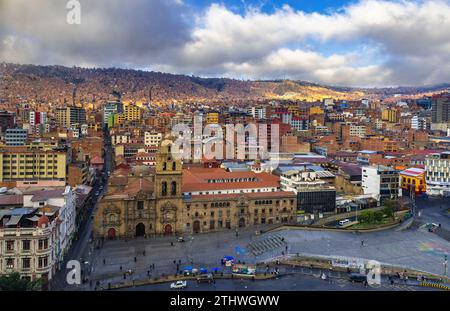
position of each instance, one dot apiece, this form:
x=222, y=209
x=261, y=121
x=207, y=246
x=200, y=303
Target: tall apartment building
x=7, y=120
x=348, y=130
x=257, y=112
x=111, y=108
x=380, y=181
x=419, y=123
x=16, y=137
x=390, y=114
x=437, y=167
x=440, y=108
x=37, y=117
x=132, y=112
x=32, y=166
x=69, y=116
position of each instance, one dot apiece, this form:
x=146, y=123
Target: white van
x=343, y=222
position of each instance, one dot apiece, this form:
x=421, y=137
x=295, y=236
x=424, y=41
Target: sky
x=366, y=43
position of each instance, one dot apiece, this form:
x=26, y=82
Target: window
x=10, y=263
x=164, y=166
x=26, y=263
x=43, y=262
x=9, y=246
x=26, y=245
x=173, y=188
x=174, y=166
x=164, y=188
x=140, y=205
x=43, y=244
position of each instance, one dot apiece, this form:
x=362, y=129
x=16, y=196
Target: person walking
x=135, y=259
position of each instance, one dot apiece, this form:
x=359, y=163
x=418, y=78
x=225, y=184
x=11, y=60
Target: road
x=82, y=249
x=293, y=282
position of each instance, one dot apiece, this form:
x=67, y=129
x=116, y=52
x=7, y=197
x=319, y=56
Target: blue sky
x=268, y=6
x=348, y=43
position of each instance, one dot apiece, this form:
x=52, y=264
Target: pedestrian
x=171, y=243
x=362, y=243
x=90, y=283
x=124, y=276
x=104, y=261
x=153, y=266
x=135, y=259
x=120, y=268
x=148, y=273
x=174, y=262
x=143, y=253
x=179, y=261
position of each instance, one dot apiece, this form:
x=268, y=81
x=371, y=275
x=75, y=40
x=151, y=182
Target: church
x=176, y=200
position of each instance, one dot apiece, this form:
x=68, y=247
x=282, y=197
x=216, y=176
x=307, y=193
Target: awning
x=188, y=268
x=34, y=218
x=14, y=220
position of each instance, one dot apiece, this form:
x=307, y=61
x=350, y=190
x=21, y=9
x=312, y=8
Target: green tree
x=13, y=282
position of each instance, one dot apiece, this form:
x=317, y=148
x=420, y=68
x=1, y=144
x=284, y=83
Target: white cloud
x=377, y=42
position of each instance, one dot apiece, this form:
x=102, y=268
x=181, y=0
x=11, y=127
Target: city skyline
x=343, y=43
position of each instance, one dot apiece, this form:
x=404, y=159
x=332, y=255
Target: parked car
x=205, y=278
x=178, y=284
x=343, y=222
x=180, y=239
x=357, y=278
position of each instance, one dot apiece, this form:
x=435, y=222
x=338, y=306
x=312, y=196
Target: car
x=357, y=278
x=97, y=193
x=101, y=187
x=180, y=239
x=178, y=284
x=343, y=222
x=205, y=278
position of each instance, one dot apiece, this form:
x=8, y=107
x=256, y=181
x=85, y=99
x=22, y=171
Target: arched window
x=164, y=166
x=173, y=188
x=112, y=218
x=164, y=188
x=174, y=166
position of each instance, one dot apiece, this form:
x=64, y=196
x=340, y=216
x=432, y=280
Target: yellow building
x=132, y=112
x=413, y=178
x=315, y=110
x=24, y=163
x=390, y=115
x=212, y=118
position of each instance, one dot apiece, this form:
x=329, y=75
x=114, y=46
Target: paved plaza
x=412, y=248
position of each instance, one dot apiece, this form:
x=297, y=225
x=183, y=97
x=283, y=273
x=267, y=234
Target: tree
x=13, y=282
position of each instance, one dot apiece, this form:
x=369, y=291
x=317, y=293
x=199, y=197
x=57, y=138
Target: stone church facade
x=154, y=204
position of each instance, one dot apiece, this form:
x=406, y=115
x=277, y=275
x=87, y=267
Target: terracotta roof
x=196, y=179
x=138, y=184
x=16, y=199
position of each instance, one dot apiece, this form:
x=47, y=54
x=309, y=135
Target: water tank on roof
x=3, y=190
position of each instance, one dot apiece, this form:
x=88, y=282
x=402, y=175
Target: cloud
x=110, y=34
x=368, y=43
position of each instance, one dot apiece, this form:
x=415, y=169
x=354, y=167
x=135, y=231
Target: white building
x=418, y=123
x=257, y=112
x=152, y=139
x=59, y=201
x=438, y=173
x=380, y=181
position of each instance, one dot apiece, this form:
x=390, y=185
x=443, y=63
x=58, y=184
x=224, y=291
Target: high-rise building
x=29, y=166
x=7, y=120
x=440, y=109
x=111, y=108
x=390, y=114
x=37, y=117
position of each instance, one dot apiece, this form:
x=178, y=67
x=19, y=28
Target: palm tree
x=13, y=282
